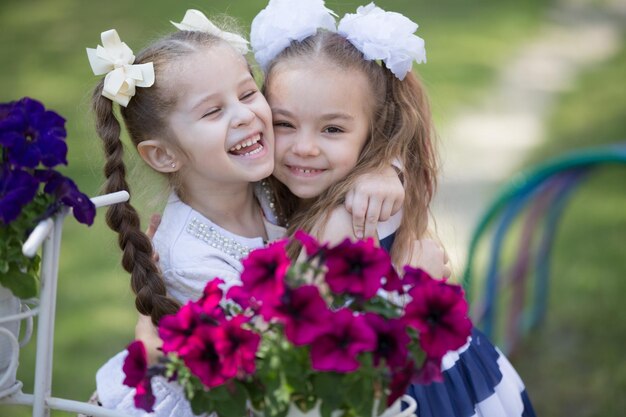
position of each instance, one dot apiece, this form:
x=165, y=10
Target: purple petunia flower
x=337, y=349
x=17, y=189
x=264, y=272
x=5, y=111
x=438, y=310
x=33, y=135
x=357, y=268
x=66, y=191
x=135, y=364
x=10, y=125
x=304, y=314
x=391, y=340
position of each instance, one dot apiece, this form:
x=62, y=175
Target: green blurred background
x=574, y=366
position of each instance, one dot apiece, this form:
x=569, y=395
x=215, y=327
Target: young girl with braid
x=337, y=113
x=194, y=113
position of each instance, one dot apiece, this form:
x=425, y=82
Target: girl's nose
x=242, y=116
x=305, y=145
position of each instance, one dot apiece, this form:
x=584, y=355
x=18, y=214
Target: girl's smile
x=249, y=146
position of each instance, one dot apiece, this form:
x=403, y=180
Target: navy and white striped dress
x=478, y=380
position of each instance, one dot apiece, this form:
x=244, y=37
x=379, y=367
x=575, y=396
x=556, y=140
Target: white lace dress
x=192, y=251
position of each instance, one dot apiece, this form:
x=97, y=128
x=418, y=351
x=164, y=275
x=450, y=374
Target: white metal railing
x=47, y=234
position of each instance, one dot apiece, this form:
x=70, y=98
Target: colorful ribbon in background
x=535, y=200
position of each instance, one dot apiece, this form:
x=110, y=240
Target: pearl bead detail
x=214, y=238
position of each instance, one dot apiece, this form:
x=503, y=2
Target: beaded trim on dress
x=214, y=238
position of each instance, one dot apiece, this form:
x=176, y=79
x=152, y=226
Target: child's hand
x=430, y=256
x=155, y=221
x=376, y=196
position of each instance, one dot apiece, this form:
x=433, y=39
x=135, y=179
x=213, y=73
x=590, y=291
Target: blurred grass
x=43, y=56
x=574, y=364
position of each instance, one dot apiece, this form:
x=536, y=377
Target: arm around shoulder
x=337, y=228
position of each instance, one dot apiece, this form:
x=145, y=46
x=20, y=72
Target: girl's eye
x=211, y=112
x=283, y=124
x=333, y=129
x=248, y=94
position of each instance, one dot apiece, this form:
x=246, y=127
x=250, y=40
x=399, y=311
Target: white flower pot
x=394, y=411
x=10, y=305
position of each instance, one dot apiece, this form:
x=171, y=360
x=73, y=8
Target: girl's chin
x=305, y=193
x=262, y=172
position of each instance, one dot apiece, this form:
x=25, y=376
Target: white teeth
x=245, y=144
x=257, y=150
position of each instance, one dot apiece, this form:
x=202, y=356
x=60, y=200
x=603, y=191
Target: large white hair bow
x=387, y=36
x=283, y=21
x=195, y=20
x=115, y=59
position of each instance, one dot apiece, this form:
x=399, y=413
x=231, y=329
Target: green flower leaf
x=330, y=387
x=231, y=401
x=21, y=284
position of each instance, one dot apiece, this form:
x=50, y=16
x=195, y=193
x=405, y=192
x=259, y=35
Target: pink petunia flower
x=337, y=349
x=429, y=372
x=237, y=346
x=175, y=329
x=304, y=313
x=356, y=268
x=135, y=364
x=240, y=296
x=415, y=276
x=211, y=298
x=136, y=370
x=201, y=356
x=392, y=281
x=311, y=246
x=391, y=340
x=401, y=378
x=144, y=398
x=264, y=272
x=438, y=310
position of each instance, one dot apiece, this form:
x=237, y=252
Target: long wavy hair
x=401, y=129
x=144, y=118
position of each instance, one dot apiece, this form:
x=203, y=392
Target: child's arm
x=148, y=334
x=431, y=257
x=144, y=329
x=375, y=197
x=426, y=254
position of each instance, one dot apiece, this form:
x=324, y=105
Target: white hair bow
x=387, y=36
x=115, y=59
x=283, y=21
x=195, y=20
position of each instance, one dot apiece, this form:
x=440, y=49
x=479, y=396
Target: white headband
x=195, y=20
x=379, y=35
x=283, y=21
x=115, y=59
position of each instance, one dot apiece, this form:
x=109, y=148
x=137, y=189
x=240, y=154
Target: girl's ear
x=160, y=156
